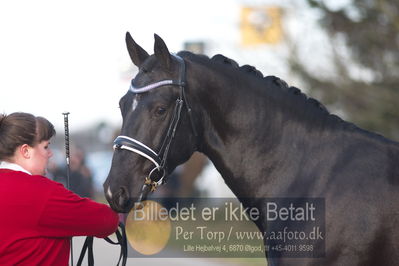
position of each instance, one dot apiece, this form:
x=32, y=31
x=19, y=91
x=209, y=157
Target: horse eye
x=160, y=111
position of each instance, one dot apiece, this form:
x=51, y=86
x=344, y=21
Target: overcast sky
x=58, y=56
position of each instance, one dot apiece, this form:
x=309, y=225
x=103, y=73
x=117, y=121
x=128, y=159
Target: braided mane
x=251, y=70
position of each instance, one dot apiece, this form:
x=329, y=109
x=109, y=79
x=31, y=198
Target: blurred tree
x=364, y=82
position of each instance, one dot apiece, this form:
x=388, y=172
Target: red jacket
x=39, y=216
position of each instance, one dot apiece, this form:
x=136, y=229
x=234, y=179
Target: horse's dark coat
x=267, y=140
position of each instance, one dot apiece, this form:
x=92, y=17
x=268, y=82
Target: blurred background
x=58, y=56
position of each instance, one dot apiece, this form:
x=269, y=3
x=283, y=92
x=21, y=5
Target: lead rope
x=121, y=240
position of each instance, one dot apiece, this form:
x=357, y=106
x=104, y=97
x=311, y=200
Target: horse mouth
x=121, y=202
x=125, y=206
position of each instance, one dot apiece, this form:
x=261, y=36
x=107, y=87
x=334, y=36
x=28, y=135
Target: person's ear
x=24, y=150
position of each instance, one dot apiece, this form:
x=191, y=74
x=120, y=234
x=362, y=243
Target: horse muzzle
x=121, y=200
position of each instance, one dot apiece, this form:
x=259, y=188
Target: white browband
x=150, y=86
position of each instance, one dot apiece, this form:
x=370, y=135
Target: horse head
x=158, y=131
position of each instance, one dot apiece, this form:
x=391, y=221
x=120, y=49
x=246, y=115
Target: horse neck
x=246, y=131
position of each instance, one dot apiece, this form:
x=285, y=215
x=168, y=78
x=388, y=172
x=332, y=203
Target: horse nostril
x=107, y=192
x=123, y=197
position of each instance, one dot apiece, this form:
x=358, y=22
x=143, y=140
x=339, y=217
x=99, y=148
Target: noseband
x=159, y=158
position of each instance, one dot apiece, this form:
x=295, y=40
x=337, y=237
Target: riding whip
x=66, y=128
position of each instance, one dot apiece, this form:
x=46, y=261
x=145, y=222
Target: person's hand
x=122, y=217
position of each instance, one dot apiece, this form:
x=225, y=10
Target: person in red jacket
x=38, y=216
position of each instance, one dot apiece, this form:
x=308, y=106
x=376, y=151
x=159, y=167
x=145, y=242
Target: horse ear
x=137, y=54
x=161, y=51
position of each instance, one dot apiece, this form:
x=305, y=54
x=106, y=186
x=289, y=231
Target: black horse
x=266, y=139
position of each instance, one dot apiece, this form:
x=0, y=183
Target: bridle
x=159, y=159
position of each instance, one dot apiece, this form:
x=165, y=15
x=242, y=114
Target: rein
x=159, y=158
x=88, y=246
